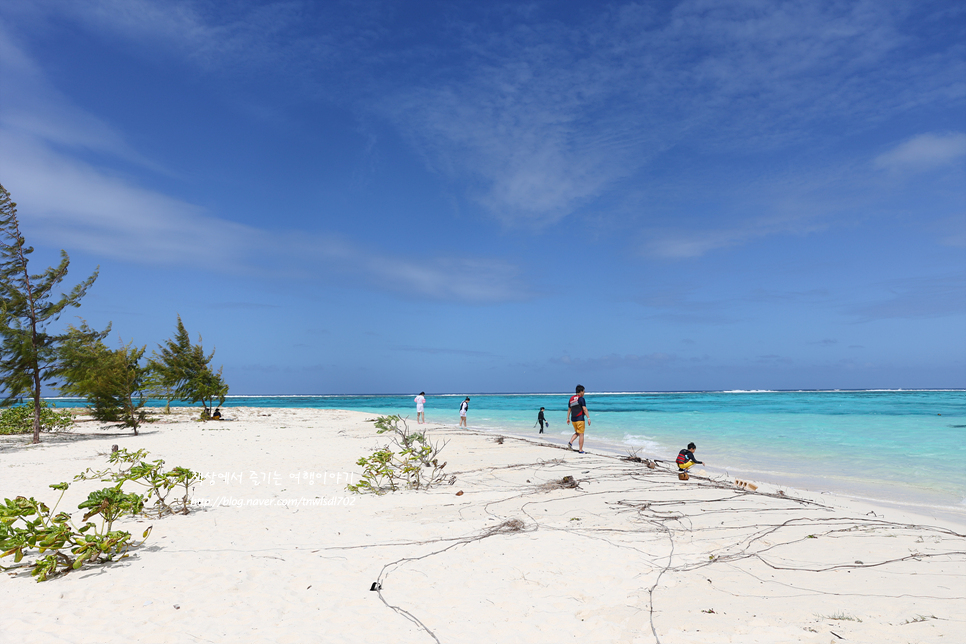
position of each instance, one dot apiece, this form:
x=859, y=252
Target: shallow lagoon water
x=901, y=446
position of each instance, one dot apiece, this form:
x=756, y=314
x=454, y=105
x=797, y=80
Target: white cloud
x=687, y=243
x=73, y=203
x=32, y=107
x=929, y=296
x=924, y=152
x=535, y=120
x=543, y=118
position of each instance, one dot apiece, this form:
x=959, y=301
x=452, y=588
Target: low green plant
x=411, y=461
x=917, y=619
x=28, y=525
x=842, y=617
x=19, y=419
x=166, y=492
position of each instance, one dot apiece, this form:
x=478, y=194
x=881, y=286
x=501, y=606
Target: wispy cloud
x=86, y=205
x=535, y=118
x=773, y=359
x=443, y=351
x=34, y=109
x=924, y=152
x=617, y=361
x=916, y=297
x=216, y=37
x=540, y=116
x=545, y=117
x=687, y=243
x=686, y=305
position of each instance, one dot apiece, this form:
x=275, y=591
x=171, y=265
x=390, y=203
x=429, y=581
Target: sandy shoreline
x=883, y=496
x=631, y=555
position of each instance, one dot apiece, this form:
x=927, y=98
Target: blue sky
x=395, y=197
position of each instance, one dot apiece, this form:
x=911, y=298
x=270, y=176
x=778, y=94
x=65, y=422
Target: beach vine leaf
x=29, y=527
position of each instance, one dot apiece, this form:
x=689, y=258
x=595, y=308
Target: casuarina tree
x=169, y=366
x=28, y=353
x=183, y=369
x=112, y=380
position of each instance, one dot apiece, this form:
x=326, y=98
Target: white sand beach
x=631, y=554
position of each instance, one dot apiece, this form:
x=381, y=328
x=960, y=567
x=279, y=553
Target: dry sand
x=630, y=555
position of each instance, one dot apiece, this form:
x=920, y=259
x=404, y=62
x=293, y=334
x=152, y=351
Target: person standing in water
x=541, y=419
x=420, y=400
x=464, y=407
x=578, y=416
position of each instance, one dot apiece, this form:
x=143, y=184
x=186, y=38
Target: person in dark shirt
x=577, y=415
x=686, y=458
x=217, y=414
x=541, y=419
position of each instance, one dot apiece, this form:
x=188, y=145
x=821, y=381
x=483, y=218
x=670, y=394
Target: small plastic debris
x=460, y=493
x=177, y=607
x=376, y=586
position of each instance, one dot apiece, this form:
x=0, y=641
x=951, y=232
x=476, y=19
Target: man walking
x=464, y=407
x=577, y=415
x=541, y=419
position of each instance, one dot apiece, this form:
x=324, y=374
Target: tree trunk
x=36, y=407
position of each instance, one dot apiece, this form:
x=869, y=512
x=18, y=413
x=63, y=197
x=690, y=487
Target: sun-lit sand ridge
x=630, y=555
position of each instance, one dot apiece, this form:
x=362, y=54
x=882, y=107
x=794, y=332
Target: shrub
x=28, y=525
x=131, y=466
x=19, y=419
x=113, y=381
x=414, y=466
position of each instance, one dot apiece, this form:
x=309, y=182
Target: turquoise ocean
x=906, y=447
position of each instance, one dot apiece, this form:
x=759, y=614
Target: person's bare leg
x=581, y=443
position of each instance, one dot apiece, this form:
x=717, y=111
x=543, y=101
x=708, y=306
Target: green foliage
x=112, y=380
x=181, y=370
x=208, y=388
x=19, y=419
x=59, y=545
x=168, y=365
x=414, y=466
x=160, y=485
x=28, y=525
x=28, y=354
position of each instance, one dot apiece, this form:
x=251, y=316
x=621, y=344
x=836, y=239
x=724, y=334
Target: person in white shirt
x=420, y=400
x=464, y=407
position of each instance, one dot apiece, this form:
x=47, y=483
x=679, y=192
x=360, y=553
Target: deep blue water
x=893, y=445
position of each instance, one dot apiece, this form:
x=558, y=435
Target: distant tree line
x=115, y=382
